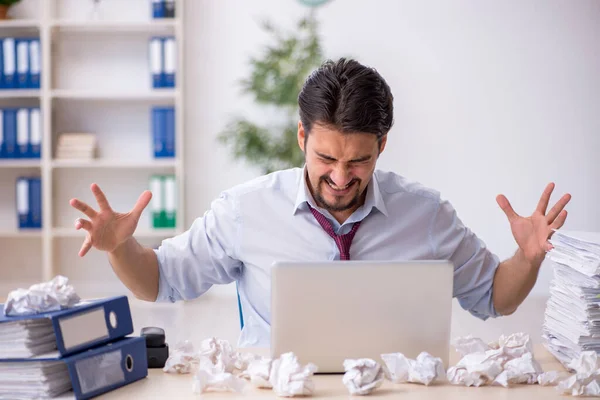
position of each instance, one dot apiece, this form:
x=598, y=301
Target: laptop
x=326, y=312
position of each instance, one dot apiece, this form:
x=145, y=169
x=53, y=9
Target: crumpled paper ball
x=425, y=369
x=52, y=295
x=362, y=376
x=289, y=378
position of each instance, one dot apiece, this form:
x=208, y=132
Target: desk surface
x=162, y=385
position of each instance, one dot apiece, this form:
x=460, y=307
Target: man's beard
x=337, y=206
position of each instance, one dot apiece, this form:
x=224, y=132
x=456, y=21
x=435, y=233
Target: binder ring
x=129, y=363
x=112, y=317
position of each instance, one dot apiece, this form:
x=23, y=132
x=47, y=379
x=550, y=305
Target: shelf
x=17, y=163
x=142, y=233
x=155, y=95
x=16, y=233
x=153, y=26
x=20, y=23
x=19, y=93
x=107, y=164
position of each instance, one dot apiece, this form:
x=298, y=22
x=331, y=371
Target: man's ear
x=301, y=136
x=382, y=143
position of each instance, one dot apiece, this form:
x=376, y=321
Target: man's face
x=339, y=166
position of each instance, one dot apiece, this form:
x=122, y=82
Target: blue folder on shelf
x=80, y=376
x=88, y=324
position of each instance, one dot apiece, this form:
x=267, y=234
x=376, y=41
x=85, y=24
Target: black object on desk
x=156, y=348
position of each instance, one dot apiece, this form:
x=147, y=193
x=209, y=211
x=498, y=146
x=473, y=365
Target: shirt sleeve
x=190, y=263
x=474, y=265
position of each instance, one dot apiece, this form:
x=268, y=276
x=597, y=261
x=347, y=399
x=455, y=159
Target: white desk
x=160, y=385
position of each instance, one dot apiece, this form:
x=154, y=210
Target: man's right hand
x=107, y=229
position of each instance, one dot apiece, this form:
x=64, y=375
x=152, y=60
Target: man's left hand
x=532, y=233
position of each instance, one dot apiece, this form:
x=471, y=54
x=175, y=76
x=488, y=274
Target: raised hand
x=532, y=233
x=107, y=229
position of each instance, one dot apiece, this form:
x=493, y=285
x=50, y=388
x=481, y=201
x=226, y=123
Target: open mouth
x=340, y=190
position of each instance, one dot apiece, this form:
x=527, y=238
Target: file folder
x=156, y=204
x=22, y=133
x=169, y=135
x=80, y=376
x=35, y=133
x=169, y=8
x=170, y=201
x=35, y=64
x=2, y=133
x=9, y=62
x=156, y=62
x=69, y=330
x=22, y=46
x=35, y=203
x=158, y=132
x=22, y=200
x=170, y=61
x=9, y=123
x=2, y=84
x=158, y=9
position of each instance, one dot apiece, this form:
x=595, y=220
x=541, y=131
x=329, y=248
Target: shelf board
x=151, y=26
x=142, y=233
x=21, y=233
x=19, y=93
x=20, y=163
x=108, y=164
x=20, y=23
x=153, y=95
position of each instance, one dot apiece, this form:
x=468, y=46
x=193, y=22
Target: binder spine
x=158, y=9
x=108, y=368
x=35, y=202
x=170, y=61
x=156, y=206
x=156, y=62
x=170, y=202
x=22, y=133
x=35, y=133
x=10, y=66
x=22, y=200
x=35, y=64
x=82, y=329
x=22, y=48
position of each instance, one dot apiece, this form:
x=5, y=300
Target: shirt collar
x=374, y=198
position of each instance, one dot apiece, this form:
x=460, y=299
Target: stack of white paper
x=572, y=318
x=32, y=380
x=26, y=338
x=76, y=146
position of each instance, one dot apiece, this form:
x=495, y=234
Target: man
x=336, y=207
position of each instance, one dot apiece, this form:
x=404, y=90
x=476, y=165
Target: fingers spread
x=506, y=207
x=81, y=223
x=141, y=204
x=100, y=197
x=84, y=208
x=558, y=207
x=560, y=220
x=543, y=203
x=86, y=246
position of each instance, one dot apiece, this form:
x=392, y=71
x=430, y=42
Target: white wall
x=490, y=97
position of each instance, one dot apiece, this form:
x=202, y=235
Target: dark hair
x=347, y=96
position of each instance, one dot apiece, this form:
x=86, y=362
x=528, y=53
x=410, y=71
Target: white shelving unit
x=95, y=78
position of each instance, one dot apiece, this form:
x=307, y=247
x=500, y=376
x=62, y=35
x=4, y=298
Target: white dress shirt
x=267, y=219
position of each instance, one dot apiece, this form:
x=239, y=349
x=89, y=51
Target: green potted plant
x=276, y=78
x=4, y=6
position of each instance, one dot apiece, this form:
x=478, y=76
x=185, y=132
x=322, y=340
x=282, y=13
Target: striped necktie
x=343, y=242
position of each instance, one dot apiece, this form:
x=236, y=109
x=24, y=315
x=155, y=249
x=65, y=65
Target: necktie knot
x=343, y=242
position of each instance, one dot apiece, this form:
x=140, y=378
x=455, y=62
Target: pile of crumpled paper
x=217, y=366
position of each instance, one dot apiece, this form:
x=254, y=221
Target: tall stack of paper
x=572, y=318
x=76, y=146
